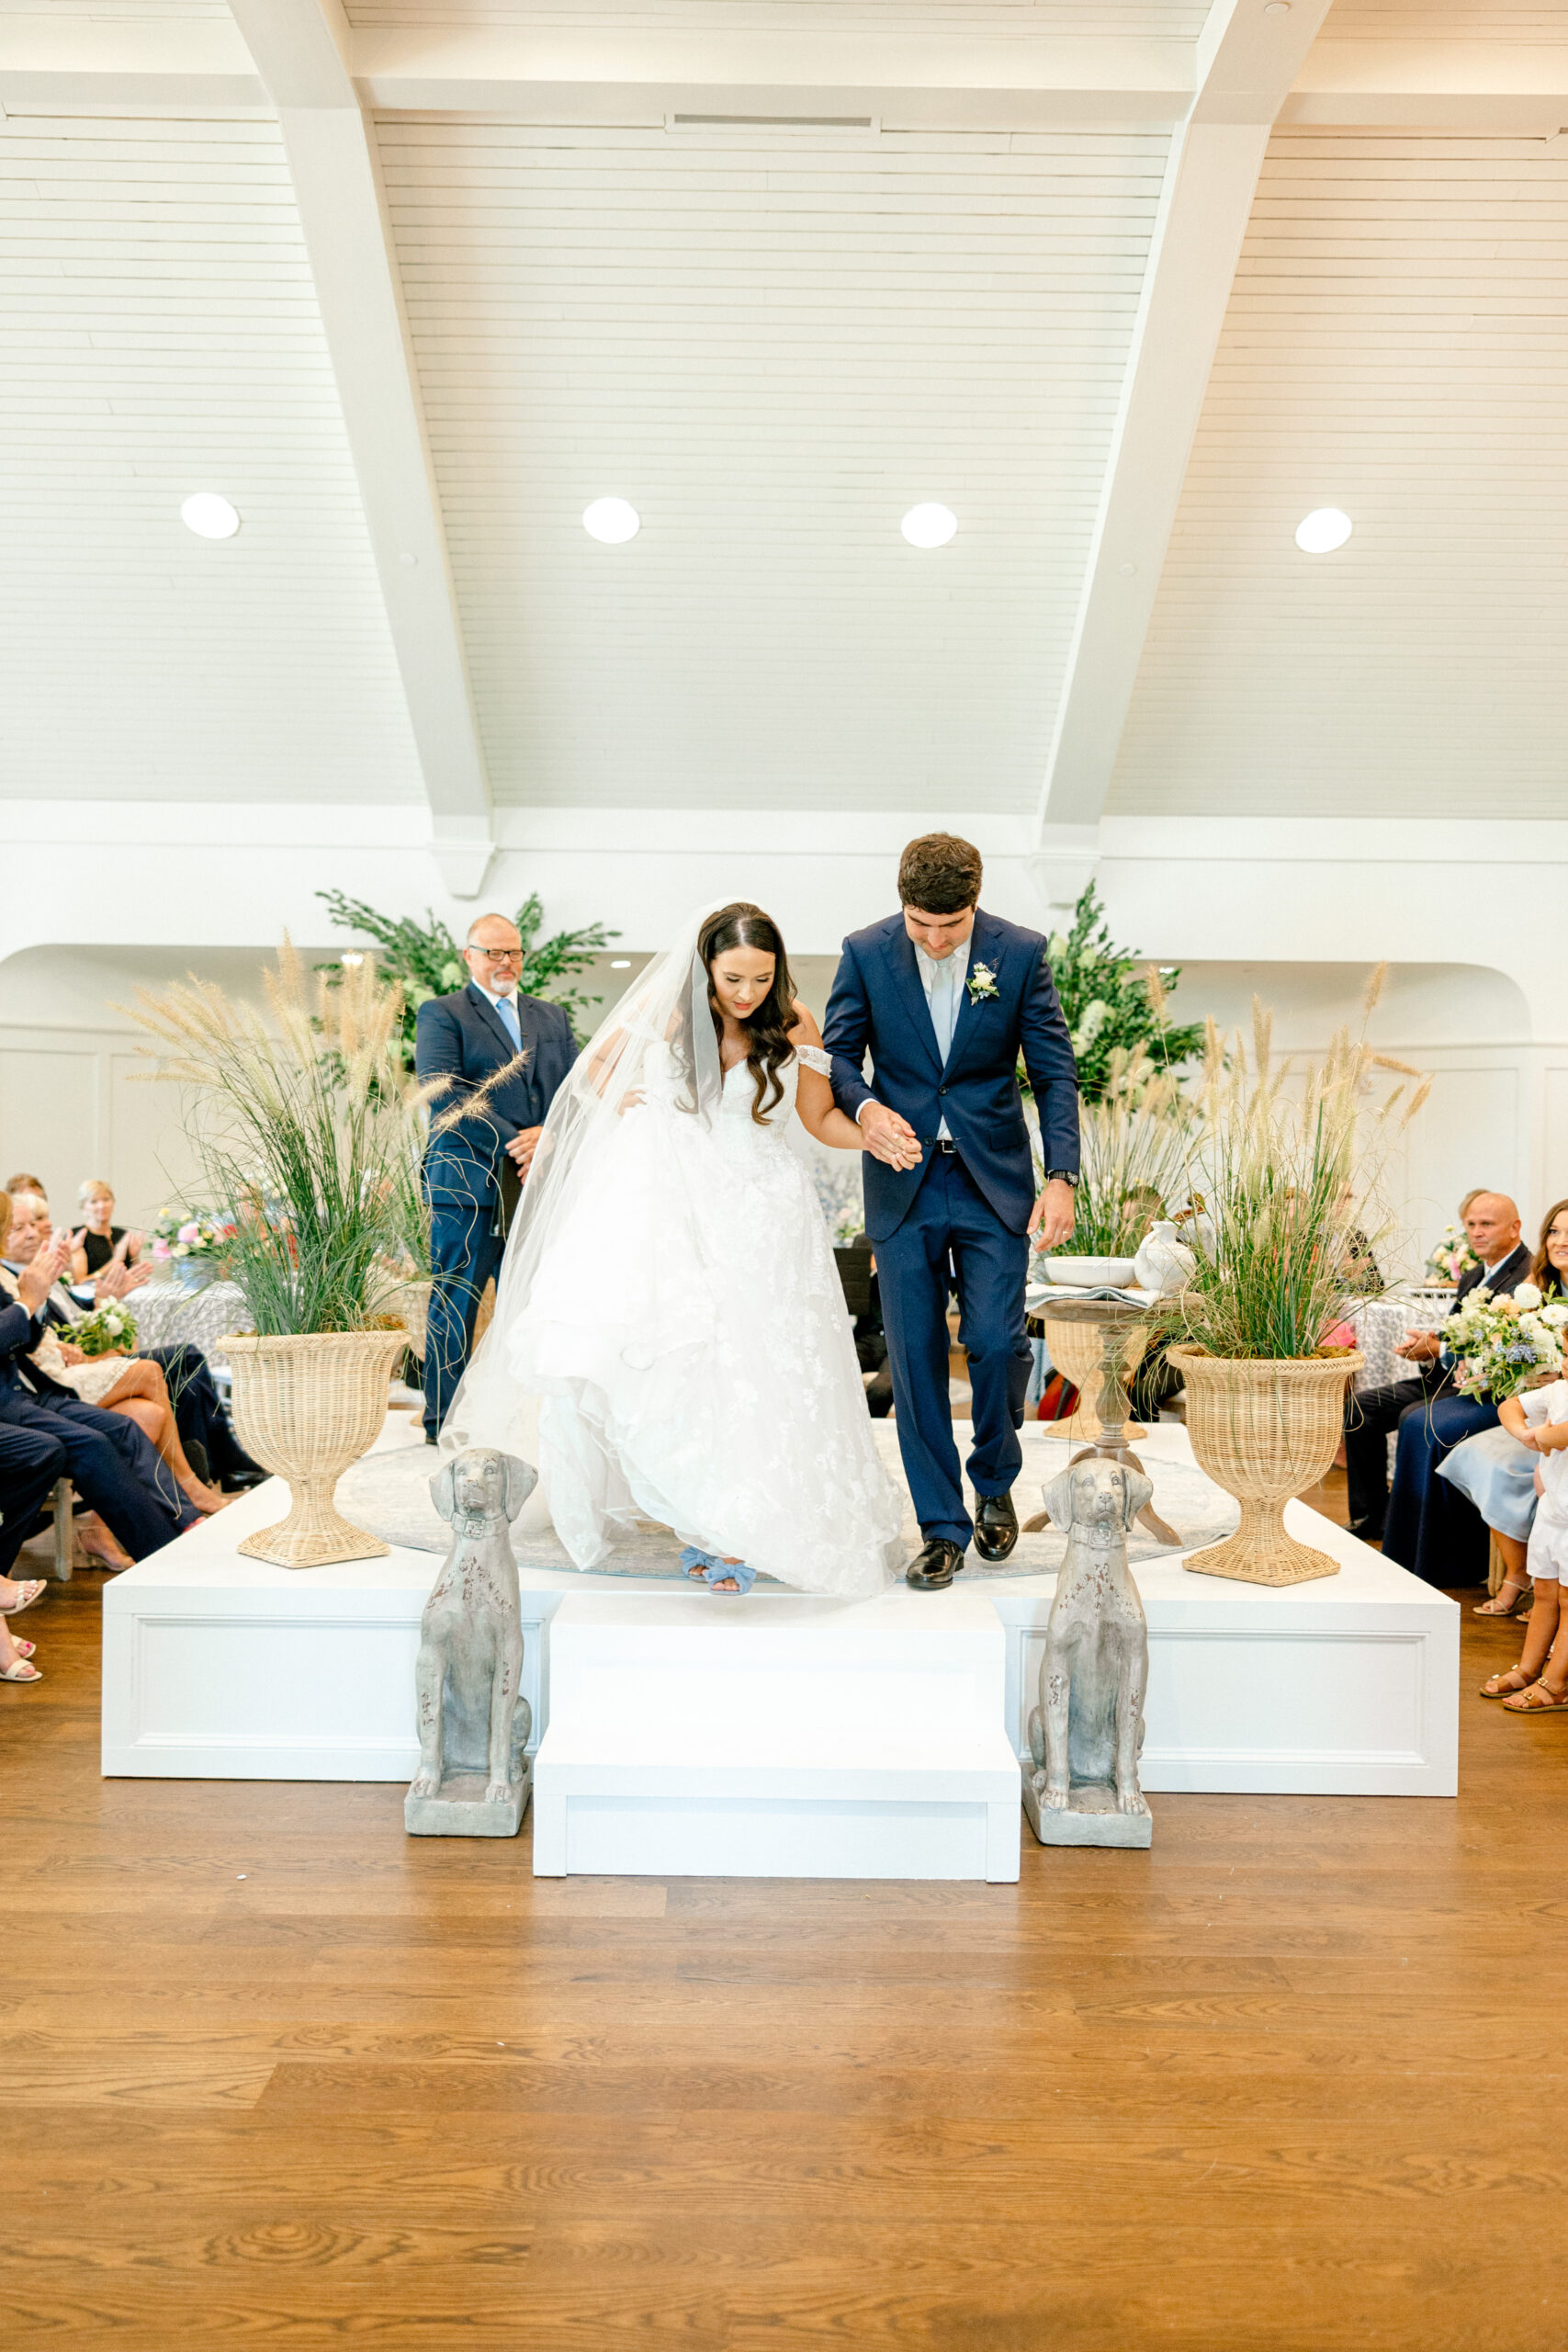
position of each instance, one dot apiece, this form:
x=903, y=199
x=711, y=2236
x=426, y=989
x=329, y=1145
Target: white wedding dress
x=679, y=1315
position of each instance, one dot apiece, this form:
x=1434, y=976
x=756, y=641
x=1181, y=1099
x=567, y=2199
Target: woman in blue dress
x=1494, y=1469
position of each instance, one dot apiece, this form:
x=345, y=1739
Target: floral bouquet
x=110, y=1331
x=1452, y=1257
x=1501, y=1345
x=177, y=1236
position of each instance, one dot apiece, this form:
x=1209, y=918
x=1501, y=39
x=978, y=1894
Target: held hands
x=888, y=1138
x=1050, y=1220
x=68, y=1354
x=522, y=1147
x=1419, y=1347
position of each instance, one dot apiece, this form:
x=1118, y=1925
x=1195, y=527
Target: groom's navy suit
x=958, y=1221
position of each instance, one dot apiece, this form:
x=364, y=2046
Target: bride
x=670, y=1296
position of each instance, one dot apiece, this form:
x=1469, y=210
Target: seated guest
x=106, y=1458
x=1424, y=1523
x=169, y=1381
x=101, y=1238
x=1538, y=1684
x=30, y=1465
x=1497, y=1472
x=14, y=1184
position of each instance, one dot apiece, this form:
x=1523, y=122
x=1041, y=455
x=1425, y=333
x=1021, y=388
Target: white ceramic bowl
x=1089, y=1273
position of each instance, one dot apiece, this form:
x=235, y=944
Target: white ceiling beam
x=302, y=50
x=1247, y=61
x=52, y=63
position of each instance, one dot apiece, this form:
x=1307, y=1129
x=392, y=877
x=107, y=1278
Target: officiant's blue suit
x=959, y=1220
x=462, y=1042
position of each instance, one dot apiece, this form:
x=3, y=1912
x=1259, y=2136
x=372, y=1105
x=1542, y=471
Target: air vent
x=771, y=121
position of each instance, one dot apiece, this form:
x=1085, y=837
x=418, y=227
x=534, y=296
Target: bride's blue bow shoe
x=716, y=1571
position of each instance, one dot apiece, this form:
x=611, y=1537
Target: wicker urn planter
x=1263, y=1429
x=1076, y=1349
x=307, y=1408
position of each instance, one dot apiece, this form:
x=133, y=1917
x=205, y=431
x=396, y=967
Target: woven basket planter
x=410, y=1302
x=1263, y=1429
x=1078, y=1350
x=305, y=1408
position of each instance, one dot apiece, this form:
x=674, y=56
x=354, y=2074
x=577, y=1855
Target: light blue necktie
x=509, y=1021
x=944, y=1006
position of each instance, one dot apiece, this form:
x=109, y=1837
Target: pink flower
x=161, y=1247
x=189, y=1233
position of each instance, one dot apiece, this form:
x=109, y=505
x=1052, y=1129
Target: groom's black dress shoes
x=996, y=1526
x=936, y=1565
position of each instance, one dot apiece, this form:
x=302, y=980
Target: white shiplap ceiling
x=773, y=341
x=1397, y=346
x=159, y=335
x=772, y=345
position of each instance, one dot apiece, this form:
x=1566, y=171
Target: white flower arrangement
x=1501, y=1345
x=109, y=1330
x=981, y=983
x=1452, y=1258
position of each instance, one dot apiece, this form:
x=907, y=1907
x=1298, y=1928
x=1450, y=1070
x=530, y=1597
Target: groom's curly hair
x=767, y=1031
x=939, y=875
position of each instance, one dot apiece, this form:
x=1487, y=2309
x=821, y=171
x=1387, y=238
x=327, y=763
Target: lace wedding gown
x=686, y=1328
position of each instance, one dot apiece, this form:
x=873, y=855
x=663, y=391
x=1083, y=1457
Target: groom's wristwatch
x=1061, y=1176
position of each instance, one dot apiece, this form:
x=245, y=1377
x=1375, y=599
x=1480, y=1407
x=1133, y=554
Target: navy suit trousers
x=1431, y=1528
x=464, y=1255
x=113, y=1467
x=952, y=1240
x=30, y=1462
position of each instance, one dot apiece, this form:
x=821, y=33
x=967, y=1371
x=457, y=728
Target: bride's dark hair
x=767, y=1029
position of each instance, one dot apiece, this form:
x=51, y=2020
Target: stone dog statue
x=473, y=1721
x=1087, y=1731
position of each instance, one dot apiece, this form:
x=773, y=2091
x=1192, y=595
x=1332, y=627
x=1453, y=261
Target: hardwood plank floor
x=1290, y=2082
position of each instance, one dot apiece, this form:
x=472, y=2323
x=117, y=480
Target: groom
x=947, y=998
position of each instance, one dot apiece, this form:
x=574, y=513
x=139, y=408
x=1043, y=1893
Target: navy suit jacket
x=461, y=1040
x=878, y=1003
x=20, y=1332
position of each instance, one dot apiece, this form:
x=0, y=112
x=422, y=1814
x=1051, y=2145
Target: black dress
x=100, y=1248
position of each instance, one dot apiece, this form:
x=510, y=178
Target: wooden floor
x=274, y=2073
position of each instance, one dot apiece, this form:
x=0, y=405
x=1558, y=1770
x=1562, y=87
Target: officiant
x=509, y=1053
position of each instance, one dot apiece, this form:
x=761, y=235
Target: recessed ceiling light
x=351, y=958
x=613, y=520
x=620, y=963
x=1276, y=7
x=1325, y=528
x=210, y=516
x=929, y=525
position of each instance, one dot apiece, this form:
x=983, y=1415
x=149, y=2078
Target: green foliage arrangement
x=308, y=1131
x=1113, y=1005
x=1283, y=1172
x=424, y=960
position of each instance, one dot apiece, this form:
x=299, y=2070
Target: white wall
x=1295, y=909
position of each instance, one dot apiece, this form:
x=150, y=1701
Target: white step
x=776, y=1736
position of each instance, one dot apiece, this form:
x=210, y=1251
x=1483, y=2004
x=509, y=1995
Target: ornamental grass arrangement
x=1283, y=1170
x=1285, y=1167
x=1135, y=1142
x=307, y=1130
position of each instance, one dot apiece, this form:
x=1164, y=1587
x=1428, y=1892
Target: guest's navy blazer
x=460, y=1039
x=877, y=1002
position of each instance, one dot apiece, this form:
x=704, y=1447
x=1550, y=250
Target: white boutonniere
x=981, y=983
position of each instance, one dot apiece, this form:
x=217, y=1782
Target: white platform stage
x=683, y=1732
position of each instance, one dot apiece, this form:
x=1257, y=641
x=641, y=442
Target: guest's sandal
x=30, y=1590
x=20, y=1672
x=709, y=1568
x=1538, y=1700
x=1490, y=1607
x=1498, y=1686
